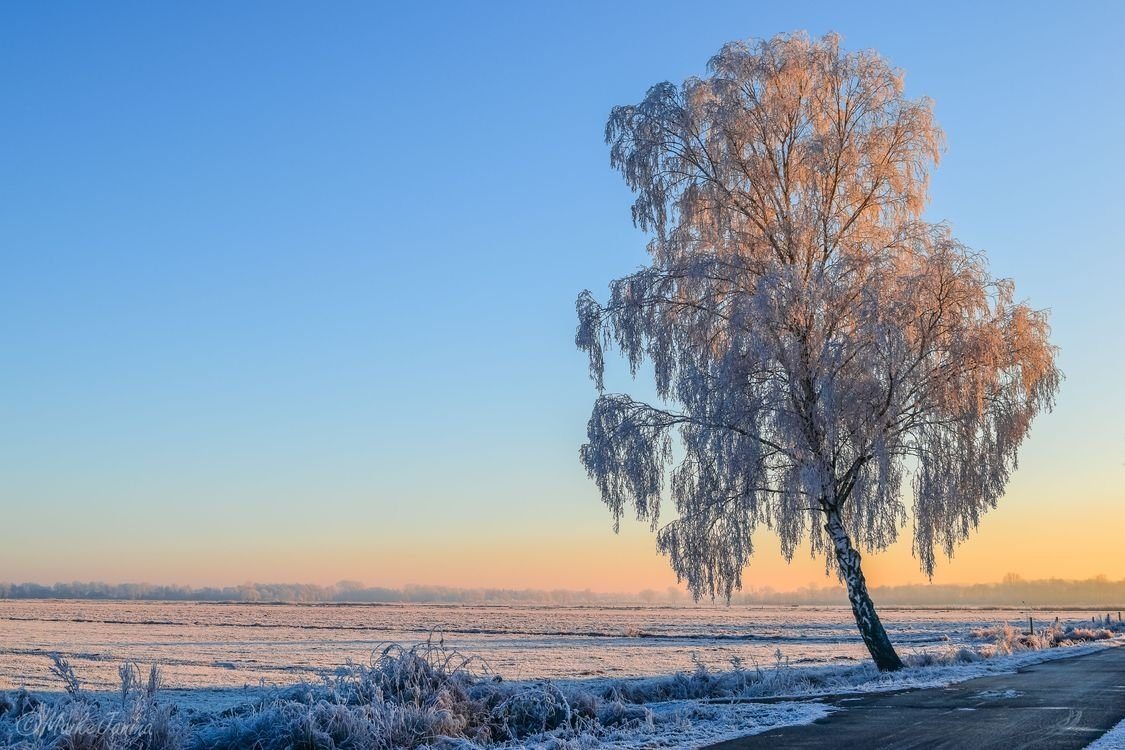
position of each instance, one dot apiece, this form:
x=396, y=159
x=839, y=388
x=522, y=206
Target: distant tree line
x=1013, y=591
x=342, y=592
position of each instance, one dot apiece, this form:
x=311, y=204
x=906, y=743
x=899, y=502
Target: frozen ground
x=422, y=696
x=1114, y=739
x=237, y=645
x=428, y=697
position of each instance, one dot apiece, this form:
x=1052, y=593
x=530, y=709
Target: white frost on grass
x=429, y=697
x=1114, y=739
x=690, y=723
x=924, y=670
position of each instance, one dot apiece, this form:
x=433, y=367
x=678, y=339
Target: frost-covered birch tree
x=819, y=349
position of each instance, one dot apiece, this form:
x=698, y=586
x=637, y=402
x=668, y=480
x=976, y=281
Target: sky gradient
x=288, y=292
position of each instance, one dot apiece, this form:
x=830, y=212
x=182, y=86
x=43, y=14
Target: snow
x=1114, y=739
x=679, y=724
x=813, y=682
x=431, y=695
x=232, y=646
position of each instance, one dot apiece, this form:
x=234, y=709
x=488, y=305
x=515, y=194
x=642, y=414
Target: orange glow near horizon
x=304, y=319
x=1011, y=539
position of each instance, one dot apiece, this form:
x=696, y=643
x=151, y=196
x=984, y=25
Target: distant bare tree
x=814, y=341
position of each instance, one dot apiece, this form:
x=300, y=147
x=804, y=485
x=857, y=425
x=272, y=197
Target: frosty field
x=324, y=676
x=236, y=645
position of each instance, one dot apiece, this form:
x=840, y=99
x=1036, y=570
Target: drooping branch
x=811, y=337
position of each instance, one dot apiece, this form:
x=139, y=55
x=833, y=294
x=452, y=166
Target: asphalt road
x=1066, y=703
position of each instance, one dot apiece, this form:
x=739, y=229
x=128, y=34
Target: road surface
x=1066, y=703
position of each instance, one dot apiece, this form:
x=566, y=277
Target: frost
x=815, y=343
x=427, y=696
x=1114, y=739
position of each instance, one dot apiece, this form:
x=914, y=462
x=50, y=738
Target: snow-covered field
x=234, y=645
x=623, y=677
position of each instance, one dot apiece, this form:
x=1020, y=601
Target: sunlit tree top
x=816, y=344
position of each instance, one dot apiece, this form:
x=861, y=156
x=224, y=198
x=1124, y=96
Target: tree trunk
x=870, y=627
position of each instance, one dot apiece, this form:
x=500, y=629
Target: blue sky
x=288, y=288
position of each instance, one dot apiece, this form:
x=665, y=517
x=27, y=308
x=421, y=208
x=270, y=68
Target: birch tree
x=819, y=350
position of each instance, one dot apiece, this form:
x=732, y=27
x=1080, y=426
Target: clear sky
x=287, y=288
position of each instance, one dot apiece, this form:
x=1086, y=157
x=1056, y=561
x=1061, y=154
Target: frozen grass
x=1114, y=739
x=428, y=696
x=133, y=720
x=1007, y=639
x=1001, y=649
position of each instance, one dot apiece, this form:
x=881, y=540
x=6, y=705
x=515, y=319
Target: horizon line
x=1045, y=591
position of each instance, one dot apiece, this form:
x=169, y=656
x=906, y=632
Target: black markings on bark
x=870, y=627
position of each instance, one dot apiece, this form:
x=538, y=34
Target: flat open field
x=234, y=645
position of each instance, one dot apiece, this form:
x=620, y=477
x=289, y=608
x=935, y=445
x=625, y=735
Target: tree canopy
x=820, y=350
